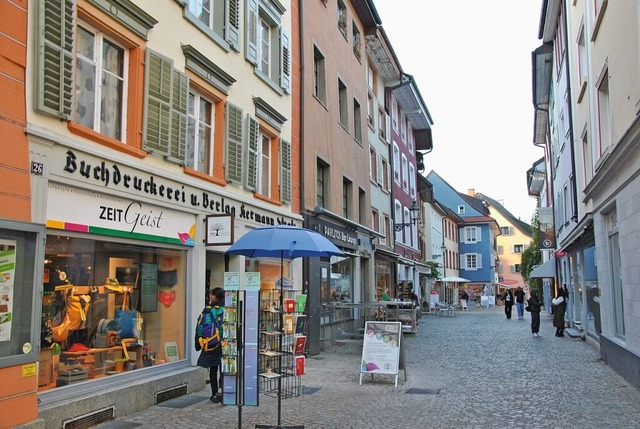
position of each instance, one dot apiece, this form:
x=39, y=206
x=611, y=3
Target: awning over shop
x=544, y=271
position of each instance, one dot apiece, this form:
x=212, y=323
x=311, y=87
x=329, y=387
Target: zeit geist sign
x=114, y=176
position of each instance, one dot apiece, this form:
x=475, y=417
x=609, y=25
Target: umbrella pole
x=281, y=308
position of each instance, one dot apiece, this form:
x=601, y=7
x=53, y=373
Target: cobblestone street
x=477, y=370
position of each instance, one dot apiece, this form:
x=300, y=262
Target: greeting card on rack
x=301, y=323
x=300, y=365
x=289, y=305
x=301, y=342
x=288, y=323
x=301, y=302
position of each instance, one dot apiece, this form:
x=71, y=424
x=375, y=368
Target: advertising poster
x=7, y=277
x=381, y=348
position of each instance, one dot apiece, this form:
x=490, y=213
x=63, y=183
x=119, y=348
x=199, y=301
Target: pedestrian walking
x=507, y=298
x=464, y=299
x=559, y=308
x=534, y=307
x=208, y=326
x=519, y=296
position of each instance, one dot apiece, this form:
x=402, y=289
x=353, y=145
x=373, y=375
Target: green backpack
x=208, y=329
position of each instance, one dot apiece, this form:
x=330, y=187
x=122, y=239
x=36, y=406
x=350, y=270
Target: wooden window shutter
x=479, y=260
x=285, y=62
x=55, y=65
x=379, y=177
x=157, y=125
x=233, y=168
x=179, y=100
x=251, y=32
x=463, y=261
x=285, y=171
x=478, y=234
x=253, y=135
x=232, y=24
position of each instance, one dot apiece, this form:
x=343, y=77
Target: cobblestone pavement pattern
x=488, y=372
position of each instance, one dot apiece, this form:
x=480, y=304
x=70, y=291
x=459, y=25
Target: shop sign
x=337, y=234
x=547, y=236
x=81, y=210
x=111, y=176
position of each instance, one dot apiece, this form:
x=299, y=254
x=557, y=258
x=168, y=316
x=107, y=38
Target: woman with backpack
x=207, y=339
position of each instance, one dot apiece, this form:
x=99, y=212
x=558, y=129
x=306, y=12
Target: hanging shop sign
x=81, y=210
x=547, y=236
x=219, y=230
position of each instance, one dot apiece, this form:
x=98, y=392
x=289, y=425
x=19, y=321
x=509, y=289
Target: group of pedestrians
x=534, y=306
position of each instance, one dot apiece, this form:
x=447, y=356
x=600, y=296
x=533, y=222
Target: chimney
x=471, y=192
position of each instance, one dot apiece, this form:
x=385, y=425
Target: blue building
x=477, y=234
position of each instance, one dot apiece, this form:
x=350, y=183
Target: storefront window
x=383, y=278
x=270, y=273
x=341, y=279
x=109, y=308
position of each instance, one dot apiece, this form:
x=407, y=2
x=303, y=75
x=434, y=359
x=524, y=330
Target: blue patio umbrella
x=284, y=242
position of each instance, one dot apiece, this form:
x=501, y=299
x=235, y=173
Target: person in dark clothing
x=213, y=359
x=559, y=308
x=508, y=303
x=519, y=295
x=534, y=306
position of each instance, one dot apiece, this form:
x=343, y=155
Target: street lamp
x=414, y=210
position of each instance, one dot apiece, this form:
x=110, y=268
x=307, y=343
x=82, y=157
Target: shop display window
x=109, y=308
x=341, y=279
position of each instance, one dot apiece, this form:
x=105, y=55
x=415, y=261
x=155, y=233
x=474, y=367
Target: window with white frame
x=472, y=234
x=515, y=268
x=357, y=121
x=412, y=180
x=396, y=163
x=371, y=110
x=356, y=40
x=201, y=117
x=342, y=104
x=319, y=81
x=582, y=57
x=505, y=230
x=604, y=112
x=461, y=209
x=268, y=45
x=471, y=261
x=373, y=164
x=382, y=124
x=518, y=248
x=394, y=113
x=101, y=84
x=500, y=250
x=405, y=173
x=410, y=136
x=375, y=219
x=386, y=227
x=587, y=156
x=566, y=195
x=385, y=179
x=403, y=129
x=264, y=165
x=342, y=18
x=219, y=20
x=398, y=218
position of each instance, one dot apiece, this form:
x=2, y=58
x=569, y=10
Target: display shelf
x=278, y=337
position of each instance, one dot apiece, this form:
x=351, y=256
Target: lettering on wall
x=112, y=176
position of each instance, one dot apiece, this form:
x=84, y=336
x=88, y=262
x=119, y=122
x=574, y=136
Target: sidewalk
x=477, y=370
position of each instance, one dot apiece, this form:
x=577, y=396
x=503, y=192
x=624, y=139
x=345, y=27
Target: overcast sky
x=471, y=60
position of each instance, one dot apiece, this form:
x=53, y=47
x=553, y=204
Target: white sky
x=471, y=60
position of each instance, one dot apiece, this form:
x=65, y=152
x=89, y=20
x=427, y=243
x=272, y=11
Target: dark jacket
x=213, y=357
x=519, y=295
x=558, y=313
x=534, y=304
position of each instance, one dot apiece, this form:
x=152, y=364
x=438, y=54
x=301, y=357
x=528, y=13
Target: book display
x=282, y=342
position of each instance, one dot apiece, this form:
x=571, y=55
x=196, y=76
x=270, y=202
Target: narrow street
x=476, y=370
